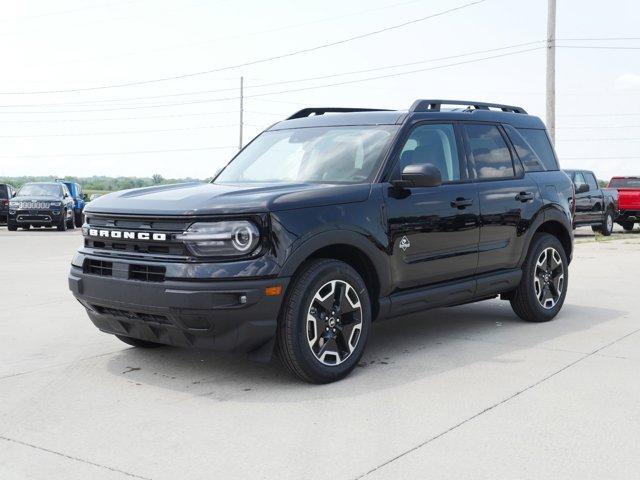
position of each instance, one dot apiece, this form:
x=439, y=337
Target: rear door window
x=490, y=155
x=4, y=193
x=541, y=145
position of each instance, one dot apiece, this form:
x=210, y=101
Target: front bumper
x=35, y=217
x=235, y=316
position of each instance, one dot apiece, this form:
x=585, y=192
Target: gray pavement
x=464, y=392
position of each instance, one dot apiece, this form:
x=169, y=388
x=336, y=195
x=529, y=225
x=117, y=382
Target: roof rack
x=436, y=105
x=305, y=112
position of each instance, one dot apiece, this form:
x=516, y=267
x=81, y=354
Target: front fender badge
x=404, y=243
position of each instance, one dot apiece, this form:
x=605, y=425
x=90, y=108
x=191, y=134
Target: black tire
x=524, y=301
x=78, y=219
x=71, y=222
x=12, y=226
x=627, y=226
x=606, y=228
x=25, y=227
x=136, y=342
x=294, y=329
x=62, y=223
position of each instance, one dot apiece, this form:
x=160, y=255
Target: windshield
x=624, y=183
x=316, y=155
x=39, y=190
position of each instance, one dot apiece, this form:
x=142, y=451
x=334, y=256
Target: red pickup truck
x=629, y=200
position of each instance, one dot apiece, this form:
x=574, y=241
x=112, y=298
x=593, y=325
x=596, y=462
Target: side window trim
x=401, y=142
x=470, y=161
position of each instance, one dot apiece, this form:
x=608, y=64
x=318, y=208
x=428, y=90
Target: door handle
x=461, y=203
x=524, y=196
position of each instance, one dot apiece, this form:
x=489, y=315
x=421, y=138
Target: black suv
x=41, y=204
x=7, y=192
x=328, y=221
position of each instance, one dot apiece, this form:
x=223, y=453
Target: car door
x=596, y=212
x=433, y=230
x=509, y=197
x=583, y=199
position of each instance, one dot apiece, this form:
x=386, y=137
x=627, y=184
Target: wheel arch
x=355, y=250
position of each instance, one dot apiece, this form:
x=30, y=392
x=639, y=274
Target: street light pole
x=241, y=110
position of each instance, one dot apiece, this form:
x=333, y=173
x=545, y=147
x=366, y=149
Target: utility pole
x=241, y=109
x=551, y=70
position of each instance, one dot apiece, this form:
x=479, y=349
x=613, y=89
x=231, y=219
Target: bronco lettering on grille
x=121, y=234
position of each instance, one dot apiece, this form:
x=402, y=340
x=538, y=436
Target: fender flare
x=551, y=213
x=374, y=252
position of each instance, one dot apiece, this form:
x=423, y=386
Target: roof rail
x=436, y=105
x=305, y=112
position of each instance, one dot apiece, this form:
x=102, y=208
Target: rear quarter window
x=541, y=145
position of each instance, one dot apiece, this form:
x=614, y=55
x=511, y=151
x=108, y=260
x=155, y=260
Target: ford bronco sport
x=328, y=221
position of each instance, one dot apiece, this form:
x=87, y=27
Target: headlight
x=221, y=239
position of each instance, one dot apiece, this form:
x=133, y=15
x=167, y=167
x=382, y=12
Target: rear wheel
x=11, y=226
x=606, y=228
x=136, y=342
x=25, y=227
x=79, y=219
x=325, y=322
x=627, y=226
x=545, y=275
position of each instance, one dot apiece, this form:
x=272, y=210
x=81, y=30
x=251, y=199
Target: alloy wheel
x=548, y=278
x=334, y=322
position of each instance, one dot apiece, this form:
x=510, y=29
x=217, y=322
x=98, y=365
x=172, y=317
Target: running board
x=453, y=293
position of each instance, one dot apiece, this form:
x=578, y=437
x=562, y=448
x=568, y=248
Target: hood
x=213, y=199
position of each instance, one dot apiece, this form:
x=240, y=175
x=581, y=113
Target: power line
x=283, y=82
x=101, y=154
x=85, y=120
x=120, y=132
x=348, y=82
x=598, y=127
x=254, y=62
x=600, y=139
x=597, y=47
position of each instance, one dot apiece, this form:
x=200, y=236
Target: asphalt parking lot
x=464, y=392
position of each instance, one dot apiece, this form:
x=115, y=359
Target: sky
x=114, y=107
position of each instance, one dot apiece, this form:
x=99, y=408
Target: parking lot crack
x=492, y=407
x=70, y=457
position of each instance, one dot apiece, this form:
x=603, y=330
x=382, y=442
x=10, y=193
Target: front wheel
x=12, y=226
x=325, y=322
x=627, y=226
x=62, y=223
x=545, y=276
x=79, y=219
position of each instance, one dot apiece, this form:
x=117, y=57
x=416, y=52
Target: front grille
x=147, y=273
x=131, y=315
x=98, y=267
x=150, y=225
x=31, y=205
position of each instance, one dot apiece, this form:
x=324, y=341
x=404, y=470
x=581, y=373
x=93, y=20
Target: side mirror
x=582, y=188
x=421, y=175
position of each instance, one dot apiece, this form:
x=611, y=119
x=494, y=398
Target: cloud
x=628, y=81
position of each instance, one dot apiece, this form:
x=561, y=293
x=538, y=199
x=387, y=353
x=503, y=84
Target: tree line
x=101, y=183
